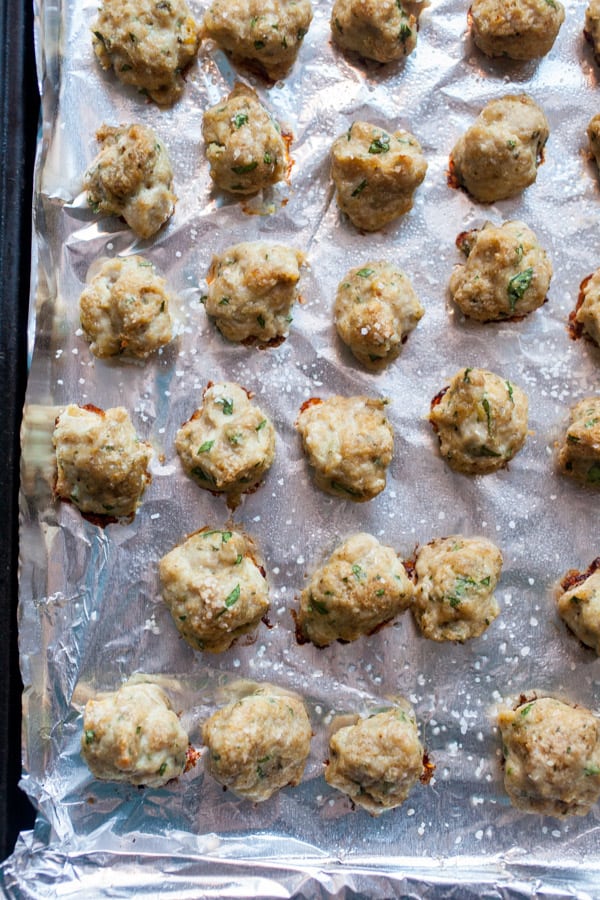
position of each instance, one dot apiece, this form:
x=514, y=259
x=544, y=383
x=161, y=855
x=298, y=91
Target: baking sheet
x=90, y=610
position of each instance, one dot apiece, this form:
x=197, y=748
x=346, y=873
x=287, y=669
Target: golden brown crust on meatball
x=519, y=29
x=362, y=586
x=148, y=43
x=376, y=174
x=228, y=444
x=456, y=578
x=585, y=318
x=579, y=450
x=133, y=735
x=578, y=602
x=124, y=309
x=259, y=744
x=551, y=757
x=244, y=146
x=480, y=420
x=498, y=156
x=592, y=27
x=382, y=30
x=376, y=308
x=507, y=273
x=349, y=443
x=215, y=587
x=378, y=760
x=101, y=463
x=267, y=33
x=131, y=177
x=251, y=290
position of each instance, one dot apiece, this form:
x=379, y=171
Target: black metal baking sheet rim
x=18, y=128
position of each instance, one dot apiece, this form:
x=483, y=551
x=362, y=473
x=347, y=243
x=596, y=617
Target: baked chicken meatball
x=251, y=290
x=125, y=309
x=229, y=443
x=362, y=586
x=215, y=587
x=259, y=744
x=376, y=174
x=349, y=443
x=498, y=156
x=268, y=33
x=551, y=757
x=456, y=578
x=244, y=146
x=519, y=29
x=507, y=273
x=102, y=466
x=593, y=134
x=148, y=43
x=592, y=27
x=578, y=604
x=376, y=308
x=586, y=317
x=375, y=29
x=480, y=420
x=133, y=735
x=579, y=451
x=377, y=761
x=131, y=177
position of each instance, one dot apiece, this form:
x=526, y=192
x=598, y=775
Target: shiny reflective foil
x=91, y=615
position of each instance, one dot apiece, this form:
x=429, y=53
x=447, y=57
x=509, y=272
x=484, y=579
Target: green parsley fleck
x=240, y=119
x=267, y=159
x=336, y=486
x=162, y=769
x=202, y=475
x=261, y=425
x=90, y=736
x=358, y=190
x=243, y=170
x=317, y=606
x=364, y=273
x=526, y=709
x=484, y=451
x=380, y=144
x=405, y=33
x=517, y=286
x=261, y=321
x=233, y=597
x=509, y=388
x=488, y=413
x=206, y=446
x=226, y=404
x=593, y=474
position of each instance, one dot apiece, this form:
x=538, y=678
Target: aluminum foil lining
x=90, y=611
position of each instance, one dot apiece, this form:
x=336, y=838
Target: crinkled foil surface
x=91, y=613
